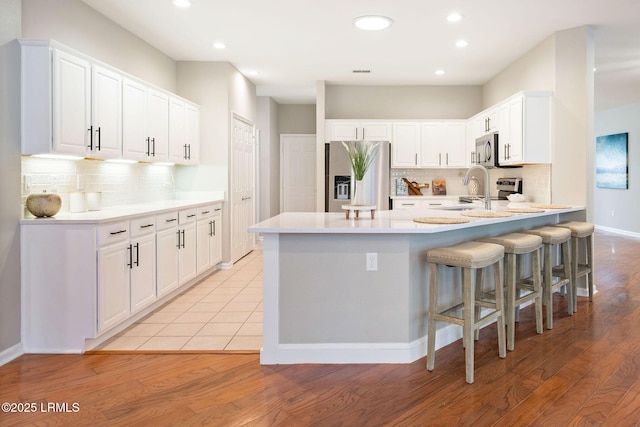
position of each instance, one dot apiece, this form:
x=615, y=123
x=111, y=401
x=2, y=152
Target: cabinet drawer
x=187, y=216
x=205, y=211
x=113, y=233
x=406, y=204
x=143, y=226
x=167, y=220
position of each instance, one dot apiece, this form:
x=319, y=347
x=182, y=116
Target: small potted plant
x=361, y=154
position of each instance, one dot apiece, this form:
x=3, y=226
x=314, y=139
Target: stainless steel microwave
x=486, y=153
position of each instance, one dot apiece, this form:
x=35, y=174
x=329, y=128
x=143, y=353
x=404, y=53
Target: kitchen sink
x=456, y=208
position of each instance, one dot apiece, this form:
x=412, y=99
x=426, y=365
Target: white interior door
x=243, y=184
x=297, y=173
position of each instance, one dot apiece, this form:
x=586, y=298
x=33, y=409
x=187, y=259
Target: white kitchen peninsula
x=322, y=305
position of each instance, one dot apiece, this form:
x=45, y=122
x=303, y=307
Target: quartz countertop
x=122, y=212
x=392, y=222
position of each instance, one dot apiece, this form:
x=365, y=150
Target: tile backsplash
x=536, y=180
x=119, y=183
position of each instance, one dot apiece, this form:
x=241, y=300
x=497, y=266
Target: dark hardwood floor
x=584, y=372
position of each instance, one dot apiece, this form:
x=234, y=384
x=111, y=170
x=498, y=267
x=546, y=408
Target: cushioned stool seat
x=555, y=276
x=471, y=257
x=515, y=245
x=581, y=232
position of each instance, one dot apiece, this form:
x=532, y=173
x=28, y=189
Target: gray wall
x=622, y=203
x=9, y=177
x=402, y=102
x=73, y=23
x=267, y=123
x=562, y=63
x=297, y=118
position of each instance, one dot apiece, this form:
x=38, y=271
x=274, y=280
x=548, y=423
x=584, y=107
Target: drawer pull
x=205, y=212
x=146, y=226
x=191, y=216
x=113, y=233
x=218, y=209
x=171, y=220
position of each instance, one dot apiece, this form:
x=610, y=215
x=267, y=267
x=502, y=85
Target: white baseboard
x=625, y=233
x=11, y=353
x=338, y=353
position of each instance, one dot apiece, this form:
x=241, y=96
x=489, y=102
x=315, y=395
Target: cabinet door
x=455, y=145
x=71, y=104
x=192, y=133
x=516, y=142
x=432, y=139
x=203, y=240
x=177, y=136
x=143, y=272
x=405, y=145
x=342, y=131
x=216, y=244
x=492, y=121
x=167, y=260
x=375, y=132
x=187, y=254
x=106, y=114
x=158, y=129
x=135, y=142
x=113, y=285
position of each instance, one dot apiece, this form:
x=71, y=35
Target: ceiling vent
x=362, y=71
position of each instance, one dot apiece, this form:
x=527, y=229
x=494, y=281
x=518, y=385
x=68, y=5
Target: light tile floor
x=222, y=312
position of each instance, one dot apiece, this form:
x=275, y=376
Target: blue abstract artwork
x=612, y=167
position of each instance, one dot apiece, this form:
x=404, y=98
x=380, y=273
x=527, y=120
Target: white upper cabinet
x=525, y=129
x=72, y=104
x=349, y=130
x=432, y=144
x=105, y=141
x=184, y=132
x=145, y=122
x=405, y=147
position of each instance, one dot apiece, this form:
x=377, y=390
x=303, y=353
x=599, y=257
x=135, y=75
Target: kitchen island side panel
x=327, y=296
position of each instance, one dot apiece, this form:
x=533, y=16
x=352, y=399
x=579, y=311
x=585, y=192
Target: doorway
x=298, y=173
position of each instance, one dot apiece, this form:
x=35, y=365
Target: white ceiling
x=294, y=43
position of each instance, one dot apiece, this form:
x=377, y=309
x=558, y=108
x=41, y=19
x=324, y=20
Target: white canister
x=77, y=202
x=94, y=201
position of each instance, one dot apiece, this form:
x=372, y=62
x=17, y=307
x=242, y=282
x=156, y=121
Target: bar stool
x=562, y=272
x=472, y=258
x=515, y=245
x=580, y=231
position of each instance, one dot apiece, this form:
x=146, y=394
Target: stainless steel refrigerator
x=339, y=181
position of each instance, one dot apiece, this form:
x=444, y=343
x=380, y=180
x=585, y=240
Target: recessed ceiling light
x=219, y=45
x=372, y=22
x=454, y=17
x=439, y=72
x=462, y=43
x=182, y=3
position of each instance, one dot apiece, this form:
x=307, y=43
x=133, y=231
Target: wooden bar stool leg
x=478, y=309
x=511, y=300
x=497, y=277
x=589, y=241
x=468, y=278
x=431, y=321
x=547, y=284
x=537, y=285
x=566, y=262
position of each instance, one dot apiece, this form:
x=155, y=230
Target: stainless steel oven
x=486, y=153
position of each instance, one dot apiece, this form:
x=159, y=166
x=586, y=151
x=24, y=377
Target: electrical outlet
x=372, y=261
x=79, y=182
x=27, y=183
x=613, y=213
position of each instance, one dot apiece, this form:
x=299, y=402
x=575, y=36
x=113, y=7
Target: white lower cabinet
x=100, y=277
x=176, y=244
x=209, y=237
x=126, y=270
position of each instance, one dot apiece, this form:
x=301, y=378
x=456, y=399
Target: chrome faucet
x=487, y=191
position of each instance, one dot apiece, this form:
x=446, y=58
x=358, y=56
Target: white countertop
x=120, y=212
x=390, y=222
